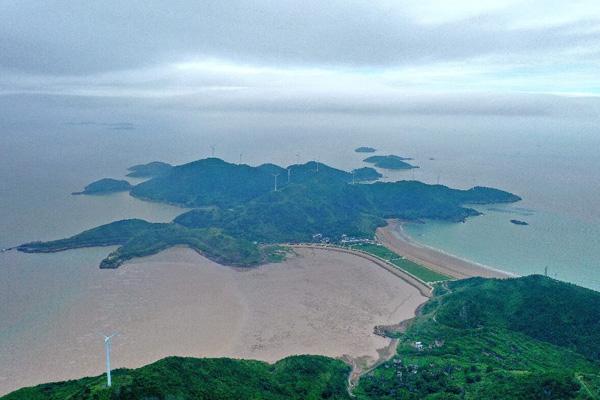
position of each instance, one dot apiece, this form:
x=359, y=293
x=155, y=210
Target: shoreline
x=394, y=237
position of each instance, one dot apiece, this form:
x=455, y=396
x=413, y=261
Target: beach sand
x=393, y=237
x=180, y=303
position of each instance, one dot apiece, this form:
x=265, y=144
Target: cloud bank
x=504, y=57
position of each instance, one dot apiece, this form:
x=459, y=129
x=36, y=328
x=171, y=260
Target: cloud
x=504, y=57
x=66, y=38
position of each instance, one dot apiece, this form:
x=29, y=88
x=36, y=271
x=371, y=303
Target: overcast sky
x=495, y=56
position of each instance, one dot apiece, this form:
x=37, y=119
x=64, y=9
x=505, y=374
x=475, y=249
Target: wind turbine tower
x=212, y=150
x=289, y=172
x=107, y=346
x=275, y=175
x=241, y=154
x=353, y=173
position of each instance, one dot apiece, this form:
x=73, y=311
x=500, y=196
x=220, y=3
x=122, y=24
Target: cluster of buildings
x=344, y=239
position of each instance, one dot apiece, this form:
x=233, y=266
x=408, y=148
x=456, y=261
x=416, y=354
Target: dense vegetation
x=138, y=238
x=299, y=377
x=555, y=312
x=497, y=339
x=481, y=339
x=150, y=170
x=365, y=149
x=390, y=162
x=106, y=185
x=366, y=174
x=423, y=273
x=238, y=204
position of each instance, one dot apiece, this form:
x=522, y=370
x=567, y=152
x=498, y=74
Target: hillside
x=300, y=377
x=106, y=185
x=496, y=339
x=150, y=170
x=138, y=238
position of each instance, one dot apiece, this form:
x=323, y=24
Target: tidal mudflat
x=180, y=303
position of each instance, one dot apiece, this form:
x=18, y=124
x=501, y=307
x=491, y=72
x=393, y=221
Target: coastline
x=394, y=237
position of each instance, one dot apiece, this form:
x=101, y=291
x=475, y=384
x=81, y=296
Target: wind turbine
x=107, y=346
x=353, y=173
x=289, y=169
x=317, y=161
x=212, y=150
x=241, y=154
x=275, y=175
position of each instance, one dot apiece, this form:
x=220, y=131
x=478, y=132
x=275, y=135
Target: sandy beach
x=393, y=237
x=179, y=303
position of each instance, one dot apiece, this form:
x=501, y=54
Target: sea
x=52, y=147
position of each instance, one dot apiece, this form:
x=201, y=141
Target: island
x=105, y=186
x=150, y=170
x=364, y=149
x=241, y=214
x=518, y=222
x=524, y=338
x=390, y=162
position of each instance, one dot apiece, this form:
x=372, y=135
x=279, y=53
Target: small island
x=390, y=162
x=518, y=222
x=150, y=170
x=364, y=149
x=105, y=186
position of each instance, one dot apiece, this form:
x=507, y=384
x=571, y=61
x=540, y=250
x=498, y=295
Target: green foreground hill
x=478, y=339
x=299, y=377
x=524, y=338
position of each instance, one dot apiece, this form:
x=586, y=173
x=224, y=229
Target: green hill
x=299, y=377
x=106, y=185
x=150, y=170
x=138, y=238
x=525, y=338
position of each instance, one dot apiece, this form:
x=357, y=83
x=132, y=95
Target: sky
x=502, y=57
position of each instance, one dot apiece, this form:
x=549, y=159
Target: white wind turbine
x=275, y=175
x=107, y=347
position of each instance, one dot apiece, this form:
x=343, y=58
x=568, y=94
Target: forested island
x=390, y=162
x=523, y=338
x=364, y=149
x=239, y=211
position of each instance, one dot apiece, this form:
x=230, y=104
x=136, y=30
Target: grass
x=467, y=355
x=421, y=272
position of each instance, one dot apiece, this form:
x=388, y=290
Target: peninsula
x=105, y=186
x=150, y=170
